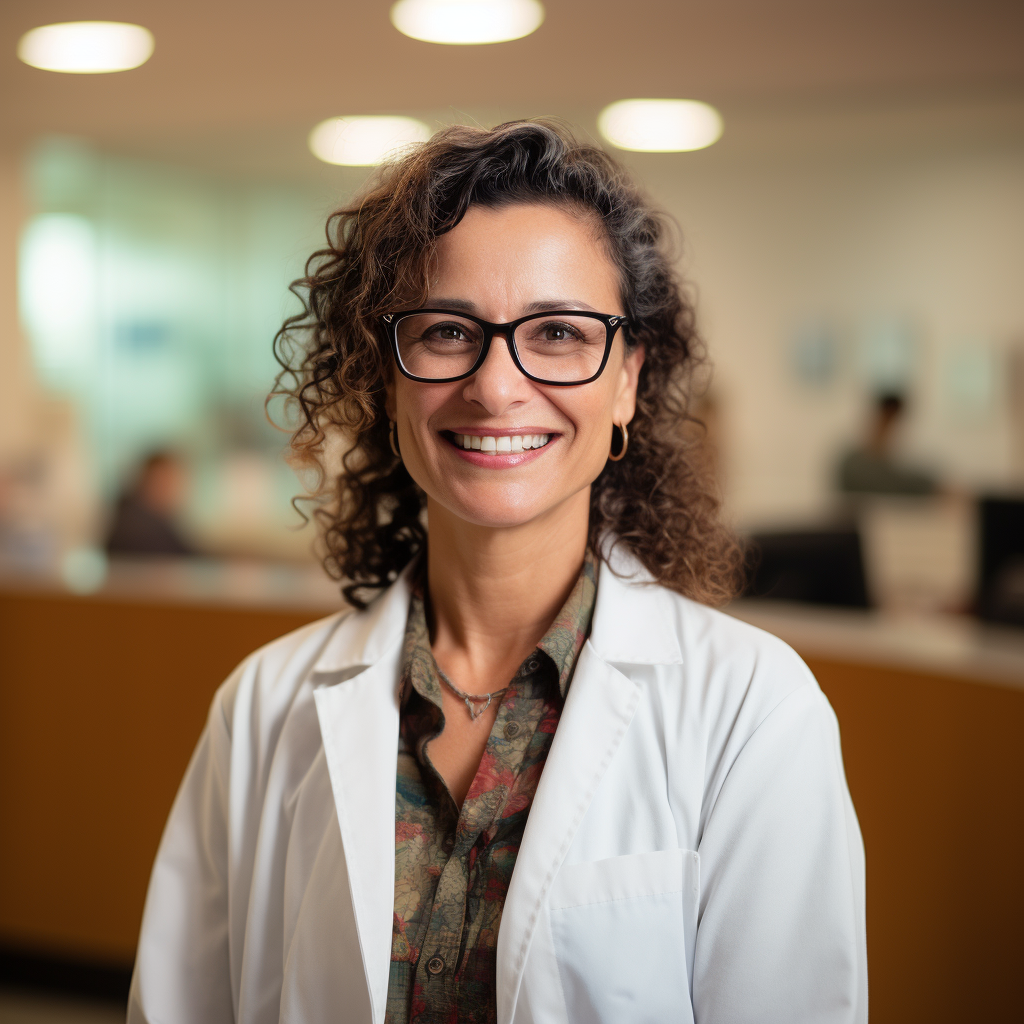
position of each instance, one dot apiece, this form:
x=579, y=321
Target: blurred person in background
x=872, y=467
x=533, y=775
x=145, y=514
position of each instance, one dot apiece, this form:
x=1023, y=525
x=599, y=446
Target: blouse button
x=511, y=730
x=448, y=843
x=435, y=965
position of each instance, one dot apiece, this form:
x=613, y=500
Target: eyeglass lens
x=556, y=348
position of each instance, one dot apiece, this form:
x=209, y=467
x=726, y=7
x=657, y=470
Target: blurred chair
x=1001, y=576
x=814, y=566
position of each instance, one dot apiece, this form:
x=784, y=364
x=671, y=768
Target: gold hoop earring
x=625, y=443
x=393, y=439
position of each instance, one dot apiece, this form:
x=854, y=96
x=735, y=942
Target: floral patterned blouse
x=452, y=867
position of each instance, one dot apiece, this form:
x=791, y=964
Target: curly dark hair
x=336, y=362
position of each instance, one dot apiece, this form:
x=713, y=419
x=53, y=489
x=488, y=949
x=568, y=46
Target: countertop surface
x=270, y=586
x=953, y=645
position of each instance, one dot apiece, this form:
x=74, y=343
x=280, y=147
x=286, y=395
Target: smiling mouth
x=498, y=445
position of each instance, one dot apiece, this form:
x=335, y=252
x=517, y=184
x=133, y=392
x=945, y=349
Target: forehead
x=526, y=246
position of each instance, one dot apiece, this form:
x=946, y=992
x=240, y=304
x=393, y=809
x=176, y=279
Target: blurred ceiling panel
x=223, y=69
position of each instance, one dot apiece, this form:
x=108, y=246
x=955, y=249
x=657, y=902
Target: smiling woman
x=585, y=239
x=537, y=779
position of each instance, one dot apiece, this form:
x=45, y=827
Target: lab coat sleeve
x=780, y=935
x=182, y=969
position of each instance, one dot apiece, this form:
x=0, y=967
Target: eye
x=555, y=331
x=447, y=331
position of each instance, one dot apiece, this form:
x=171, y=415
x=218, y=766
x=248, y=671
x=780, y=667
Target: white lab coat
x=692, y=853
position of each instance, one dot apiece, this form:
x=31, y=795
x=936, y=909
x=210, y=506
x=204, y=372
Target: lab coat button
x=435, y=965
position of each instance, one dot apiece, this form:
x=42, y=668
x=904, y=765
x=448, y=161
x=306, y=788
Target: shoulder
x=744, y=706
x=278, y=678
x=718, y=660
x=266, y=682
x=722, y=650
x=728, y=679
x=735, y=673
x=746, y=680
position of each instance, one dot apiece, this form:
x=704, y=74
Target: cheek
x=414, y=404
x=593, y=421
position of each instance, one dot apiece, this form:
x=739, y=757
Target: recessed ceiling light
x=467, y=21
x=660, y=126
x=364, y=141
x=86, y=47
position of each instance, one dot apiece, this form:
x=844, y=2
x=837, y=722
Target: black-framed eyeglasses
x=564, y=347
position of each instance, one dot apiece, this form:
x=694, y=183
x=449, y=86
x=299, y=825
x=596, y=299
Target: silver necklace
x=471, y=698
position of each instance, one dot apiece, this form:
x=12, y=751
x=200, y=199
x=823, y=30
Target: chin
x=505, y=507
x=495, y=515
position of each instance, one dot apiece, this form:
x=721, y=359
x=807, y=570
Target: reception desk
x=102, y=698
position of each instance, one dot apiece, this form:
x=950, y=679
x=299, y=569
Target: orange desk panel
x=936, y=770
x=101, y=704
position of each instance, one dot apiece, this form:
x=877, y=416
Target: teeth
x=504, y=443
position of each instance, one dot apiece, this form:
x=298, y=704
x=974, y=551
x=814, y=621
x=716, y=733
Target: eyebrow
x=540, y=306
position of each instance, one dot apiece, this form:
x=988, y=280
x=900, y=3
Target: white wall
x=18, y=390
x=841, y=215
x=847, y=218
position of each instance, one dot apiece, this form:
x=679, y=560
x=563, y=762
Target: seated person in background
x=871, y=469
x=143, y=520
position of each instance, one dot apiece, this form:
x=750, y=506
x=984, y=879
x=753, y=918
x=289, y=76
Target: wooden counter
x=102, y=699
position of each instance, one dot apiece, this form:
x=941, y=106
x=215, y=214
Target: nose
x=498, y=384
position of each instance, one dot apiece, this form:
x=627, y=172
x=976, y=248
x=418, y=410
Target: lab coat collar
x=364, y=637
x=631, y=622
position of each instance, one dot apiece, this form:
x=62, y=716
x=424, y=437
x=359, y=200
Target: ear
x=625, y=399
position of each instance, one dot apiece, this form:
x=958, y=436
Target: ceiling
x=255, y=76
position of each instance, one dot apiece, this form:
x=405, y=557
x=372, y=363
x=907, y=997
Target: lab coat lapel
x=358, y=709
x=359, y=723
x=598, y=709
x=631, y=627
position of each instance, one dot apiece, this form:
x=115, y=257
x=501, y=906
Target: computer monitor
x=1001, y=572
x=814, y=566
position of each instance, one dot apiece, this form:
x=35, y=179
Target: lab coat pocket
x=623, y=931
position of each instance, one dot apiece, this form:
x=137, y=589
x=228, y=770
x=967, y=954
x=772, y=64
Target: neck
x=495, y=591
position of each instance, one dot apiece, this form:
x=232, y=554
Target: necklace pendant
x=476, y=712
x=469, y=699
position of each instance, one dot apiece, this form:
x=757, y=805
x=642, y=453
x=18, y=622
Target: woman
x=539, y=723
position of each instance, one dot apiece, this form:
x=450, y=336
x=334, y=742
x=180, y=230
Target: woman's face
x=500, y=265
